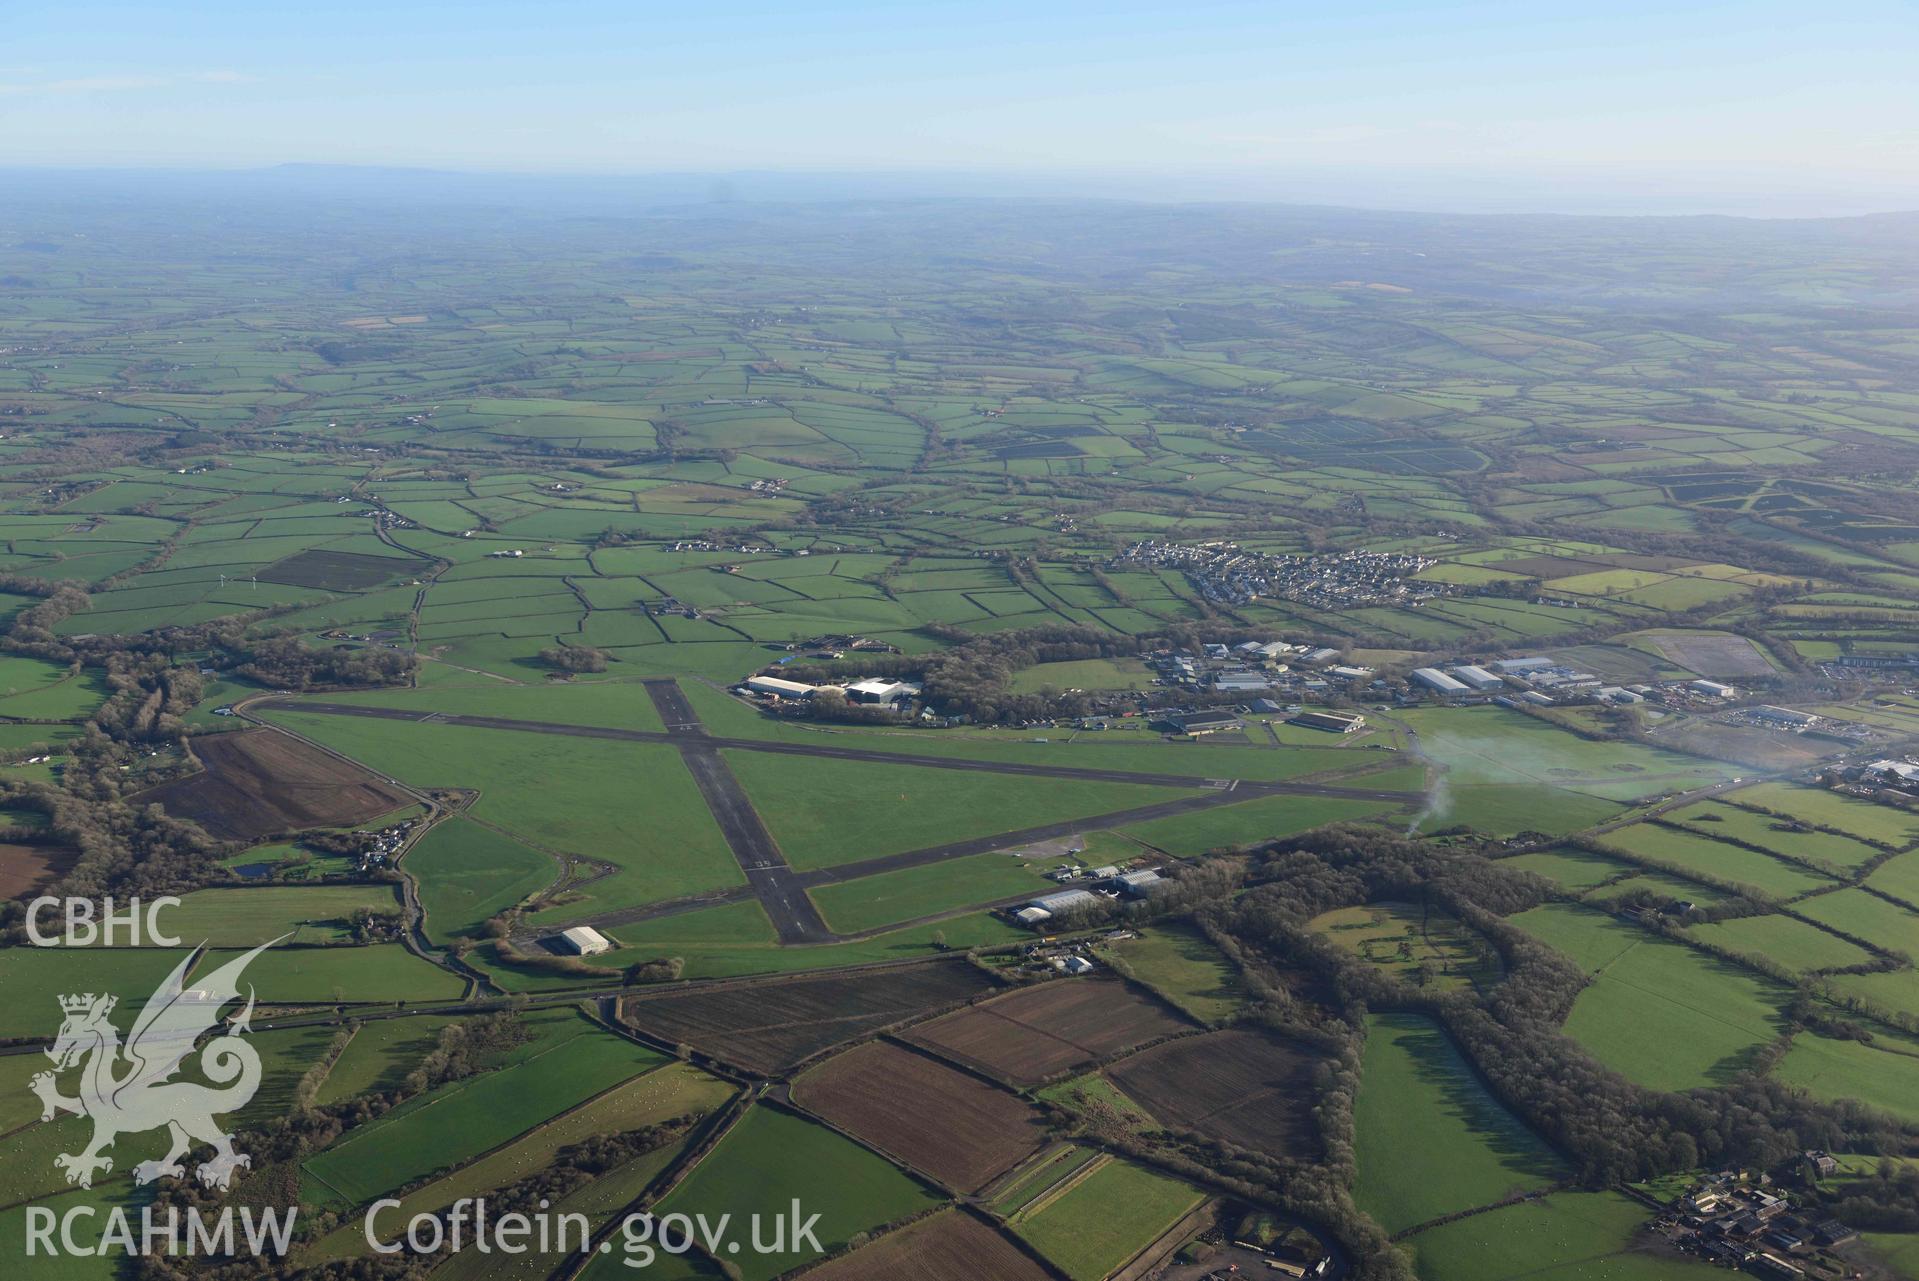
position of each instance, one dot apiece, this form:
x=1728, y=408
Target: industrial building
x=1434, y=679
x=1196, y=722
x=1477, y=677
x=1336, y=722
x=582, y=940
x=876, y=691
x=779, y=688
x=1712, y=689
x=1781, y=717
x=1520, y=666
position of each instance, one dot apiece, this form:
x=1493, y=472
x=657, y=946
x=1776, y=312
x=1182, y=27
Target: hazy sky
x=1778, y=97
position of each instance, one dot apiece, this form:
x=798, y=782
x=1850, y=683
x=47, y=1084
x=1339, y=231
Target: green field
x=875, y=902
x=1105, y=1218
x=1180, y=964
x=1569, y=1236
x=468, y=873
x=1662, y=1014
x=771, y=1158
x=566, y=1063
x=1430, y=1139
x=380, y=1055
x=825, y=812
x=1884, y=1074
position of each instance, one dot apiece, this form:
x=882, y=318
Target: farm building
x=1434, y=679
x=1196, y=722
x=1336, y=722
x=583, y=940
x=780, y=688
x=1477, y=677
x=1712, y=689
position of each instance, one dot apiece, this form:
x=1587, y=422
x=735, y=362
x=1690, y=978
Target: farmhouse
x=1336, y=722
x=582, y=940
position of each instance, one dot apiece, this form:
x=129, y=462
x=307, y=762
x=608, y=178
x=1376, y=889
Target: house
x=1335, y=722
x=1820, y=1165
x=582, y=940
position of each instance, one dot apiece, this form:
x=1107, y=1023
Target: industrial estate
x=1134, y=744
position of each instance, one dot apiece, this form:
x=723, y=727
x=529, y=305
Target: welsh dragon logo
x=128, y=1089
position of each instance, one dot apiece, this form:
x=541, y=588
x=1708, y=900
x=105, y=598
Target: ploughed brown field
x=770, y=1026
x=259, y=782
x=1035, y=1034
x=937, y=1119
x=1239, y=1086
x=26, y=868
x=953, y=1246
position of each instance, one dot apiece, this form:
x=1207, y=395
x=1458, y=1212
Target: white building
x=583, y=940
x=1712, y=689
x=1477, y=677
x=779, y=688
x=1434, y=679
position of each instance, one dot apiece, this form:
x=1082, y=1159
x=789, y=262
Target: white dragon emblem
x=141, y=1096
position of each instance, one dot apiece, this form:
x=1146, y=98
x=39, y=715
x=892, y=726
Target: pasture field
x=1790, y=943
x=1568, y=1236
x=382, y=972
x=825, y=812
x=1658, y=1012
x=566, y=1063
x=1880, y=823
x=770, y=1158
x=1430, y=1139
x=314, y=915
x=1184, y=967
x=1036, y=1033
x=1867, y=916
x=1782, y=836
x=659, y=1096
x=1720, y=860
x=1415, y=944
x=929, y=1117
x=380, y=1055
x=1092, y=673
x=1573, y=869
x=1884, y=1074
x=606, y=704
x=1104, y=1217
x=468, y=874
